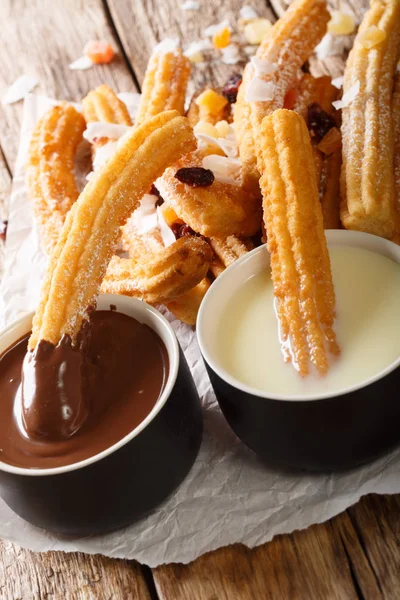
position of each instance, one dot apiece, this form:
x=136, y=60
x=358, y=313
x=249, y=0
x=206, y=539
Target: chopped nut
x=341, y=23
x=222, y=38
x=211, y=101
x=331, y=141
x=371, y=37
x=255, y=30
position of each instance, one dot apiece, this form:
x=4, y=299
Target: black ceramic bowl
x=124, y=482
x=329, y=431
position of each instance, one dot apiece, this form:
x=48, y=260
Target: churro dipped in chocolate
x=367, y=182
x=300, y=263
x=50, y=169
x=53, y=403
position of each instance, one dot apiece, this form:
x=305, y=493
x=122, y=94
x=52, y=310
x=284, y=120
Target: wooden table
x=356, y=554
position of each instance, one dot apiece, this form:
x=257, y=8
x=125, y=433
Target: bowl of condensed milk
x=140, y=436
x=339, y=420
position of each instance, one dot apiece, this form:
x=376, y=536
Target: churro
x=279, y=57
x=92, y=227
x=220, y=209
x=103, y=105
x=50, y=169
x=165, y=83
x=300, y=262
x=226, y=251
x=186, y=307
x=367, y=182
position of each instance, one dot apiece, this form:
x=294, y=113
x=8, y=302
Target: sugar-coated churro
x=92, y=227
x=165, y=83
x=50, y=169
x=300, y=262
x=163, y=276
x=279, y=57
x=220, y=209
x=367, y=182
x=186, y=307
x=103, y=105
x=226, y=251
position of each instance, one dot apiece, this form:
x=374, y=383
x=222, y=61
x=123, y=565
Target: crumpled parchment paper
x=229, y=496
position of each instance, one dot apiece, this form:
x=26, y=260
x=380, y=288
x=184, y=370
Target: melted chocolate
x=111, y=392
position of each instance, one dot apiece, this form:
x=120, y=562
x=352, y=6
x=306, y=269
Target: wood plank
x=142, y=24
x=308, y=564
x=5, y=188
x=27, y=575
x=42, y=38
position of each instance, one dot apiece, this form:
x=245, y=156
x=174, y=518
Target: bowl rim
x=172, y=347
x=335, y=237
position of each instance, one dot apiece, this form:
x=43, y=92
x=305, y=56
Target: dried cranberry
x=3, y=230
x=181, y=230
x=195, y=176
x=231, y=87
x=319, y=122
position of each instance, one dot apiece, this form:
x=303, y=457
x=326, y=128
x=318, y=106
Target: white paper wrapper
x=229, y=496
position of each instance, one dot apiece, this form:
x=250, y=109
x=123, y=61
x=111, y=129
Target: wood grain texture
x=141, y=25
x=41, y=38
x=27, y=575
x=354, y=555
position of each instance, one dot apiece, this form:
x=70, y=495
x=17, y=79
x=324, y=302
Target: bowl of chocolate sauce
x=139, y=437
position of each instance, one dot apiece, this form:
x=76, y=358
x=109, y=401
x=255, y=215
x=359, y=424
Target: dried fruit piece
x=231, y=87
x=211, y=101
x=170, y=216
x=223, y=128
x=222, y=38
x=331, y=141
x=341, y=23
x=319, y=122
x=195, y=176
x=371, y=37
x=290, y=99
x=182, y=230
x=100, y=52
x=256, y=30
x=206, y=128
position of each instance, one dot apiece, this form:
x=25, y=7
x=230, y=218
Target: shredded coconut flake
x=213, y=29
x=226, y=170
x=145, y=216
x=250, y=50
x=81, y=64
x=259, y=90
x=348, y=97
x=167, y=45
x=103, y=154
x=99, y=129
x=20, y=89
x=231, y=54
x=190, y=5
x=338, y=82
x=262, y=67
x=228, y=146
x=131, y=101
x=331, y=45
x=166, y=233
x=247, y=13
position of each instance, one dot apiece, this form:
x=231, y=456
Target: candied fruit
x=371, y=37
x=231, y=87
x=195, y=176
x=341, y=23
x=331, y=141
x=170, y=215
x=290, y=99
x=222, y=38
x=255, y=31
x=211, y=101
x=100, y=52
